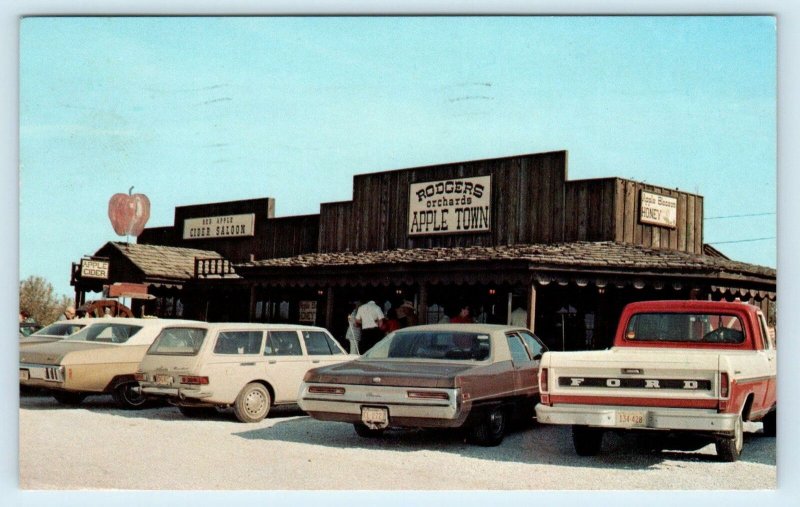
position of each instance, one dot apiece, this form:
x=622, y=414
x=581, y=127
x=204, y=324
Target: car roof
x=261, y=325
x=146, y=322
x=470, y=328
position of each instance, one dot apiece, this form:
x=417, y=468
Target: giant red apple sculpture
x=128, y=213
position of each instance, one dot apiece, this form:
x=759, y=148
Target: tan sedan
x=100, y=358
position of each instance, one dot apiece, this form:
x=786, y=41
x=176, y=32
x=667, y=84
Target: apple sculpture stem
x=128, y=213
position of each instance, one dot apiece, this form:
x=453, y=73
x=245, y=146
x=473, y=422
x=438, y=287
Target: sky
x=198, y=110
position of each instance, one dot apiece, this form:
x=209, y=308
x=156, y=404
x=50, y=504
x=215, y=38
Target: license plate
x=24, y=374
x=377, y=416
x=163, y=380
x=631, y=418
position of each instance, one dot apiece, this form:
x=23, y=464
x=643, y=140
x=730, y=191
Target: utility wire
x=740, y=216
x=740, y=241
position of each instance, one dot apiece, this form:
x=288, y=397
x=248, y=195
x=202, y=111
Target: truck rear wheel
x=587, y=441
x=771, y=424
x=730, y=448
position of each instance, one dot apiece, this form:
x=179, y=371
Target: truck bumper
x=656, y=418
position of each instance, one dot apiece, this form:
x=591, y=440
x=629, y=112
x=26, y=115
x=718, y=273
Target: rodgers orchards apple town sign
x=129, y=213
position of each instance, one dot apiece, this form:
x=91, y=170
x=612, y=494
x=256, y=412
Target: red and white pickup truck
x=700, y=367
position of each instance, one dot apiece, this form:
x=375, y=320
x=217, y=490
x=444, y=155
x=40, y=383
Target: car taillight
x=193, y=380
x=325, y=390
x=139, y=376
x=428, y=395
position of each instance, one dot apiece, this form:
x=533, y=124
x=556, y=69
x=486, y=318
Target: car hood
x=54, y=352
x=390, y=373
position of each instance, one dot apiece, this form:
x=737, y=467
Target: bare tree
x=37, y=297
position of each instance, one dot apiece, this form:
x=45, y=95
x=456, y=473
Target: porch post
x=532, y=307
x=422, y=310
x=329, y=308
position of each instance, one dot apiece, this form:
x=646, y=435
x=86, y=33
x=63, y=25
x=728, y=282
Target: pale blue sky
x=193, y=110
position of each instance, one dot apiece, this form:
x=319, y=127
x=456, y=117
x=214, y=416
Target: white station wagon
x=249, y=367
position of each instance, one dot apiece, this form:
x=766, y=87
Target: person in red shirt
x=463, y=316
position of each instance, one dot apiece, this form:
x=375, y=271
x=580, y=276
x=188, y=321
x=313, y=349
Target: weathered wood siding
x=527, y=206
x=273, y=237
x=686, y=237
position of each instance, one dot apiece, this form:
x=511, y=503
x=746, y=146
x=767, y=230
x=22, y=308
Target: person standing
x=369, y=317
x=69, y=313
x=353, y=334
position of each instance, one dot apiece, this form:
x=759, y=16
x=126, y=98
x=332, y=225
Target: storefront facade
x=509, y=237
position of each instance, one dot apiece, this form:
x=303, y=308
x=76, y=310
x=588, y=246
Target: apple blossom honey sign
x=129, y=213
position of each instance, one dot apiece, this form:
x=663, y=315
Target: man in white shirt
x=369, y=317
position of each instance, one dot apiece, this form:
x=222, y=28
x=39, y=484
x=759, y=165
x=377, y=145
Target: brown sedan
x=475, y=376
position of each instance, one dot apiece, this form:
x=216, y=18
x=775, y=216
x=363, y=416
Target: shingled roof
x=603, y=256
x=164, y=262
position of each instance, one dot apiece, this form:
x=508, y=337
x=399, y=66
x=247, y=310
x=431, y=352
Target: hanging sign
x=228, y=226
x=94, y=269
x=454, y=206
x=657, y=209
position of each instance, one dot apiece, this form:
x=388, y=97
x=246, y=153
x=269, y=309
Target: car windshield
x=441, y=345
x=180, y=341
x=60, y=329
x=105, y=333
x=685, y=327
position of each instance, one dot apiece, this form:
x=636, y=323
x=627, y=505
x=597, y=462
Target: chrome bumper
x=39, y=374
x=655, y=417
x=175, y=392
x=347, y=406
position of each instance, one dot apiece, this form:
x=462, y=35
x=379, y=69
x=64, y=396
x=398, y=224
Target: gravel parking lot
x=100, y=446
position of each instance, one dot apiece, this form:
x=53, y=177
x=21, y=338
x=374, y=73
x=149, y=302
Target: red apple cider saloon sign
x=228, y=226
x=451, y=206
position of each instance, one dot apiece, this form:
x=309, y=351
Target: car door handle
x=315, y=361
x=247, y=364
x=272, y=362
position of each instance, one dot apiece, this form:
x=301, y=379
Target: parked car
x=100, y=358
x=250, y=367
x=56, y=331
x=474, y=376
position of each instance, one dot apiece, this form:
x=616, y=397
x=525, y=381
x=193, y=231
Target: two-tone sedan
x=475, y=376
x=100, y=358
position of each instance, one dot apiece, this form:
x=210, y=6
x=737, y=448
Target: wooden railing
x=213, y=267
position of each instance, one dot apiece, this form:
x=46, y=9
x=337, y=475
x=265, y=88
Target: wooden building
x=505, y=235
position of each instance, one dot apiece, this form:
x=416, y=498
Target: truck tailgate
x=629, y=376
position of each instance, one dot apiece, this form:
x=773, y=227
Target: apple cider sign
x=451, y=206
x=228, y=226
